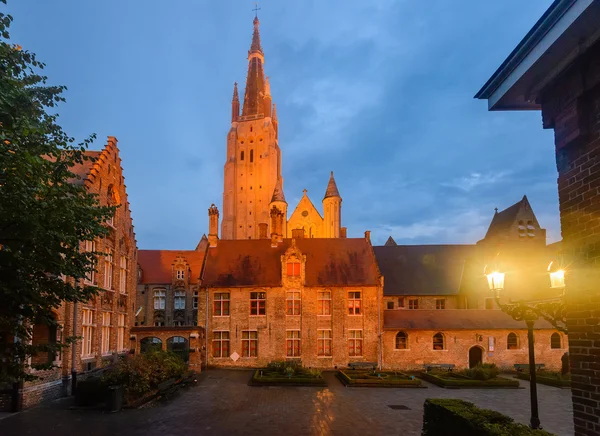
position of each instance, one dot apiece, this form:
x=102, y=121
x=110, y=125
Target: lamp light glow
x=495, y=280
x=557, y=279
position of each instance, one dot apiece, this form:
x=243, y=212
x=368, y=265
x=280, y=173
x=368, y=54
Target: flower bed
x=287, y=374
x=549, y=378
x=382, y=379
x=457, y=381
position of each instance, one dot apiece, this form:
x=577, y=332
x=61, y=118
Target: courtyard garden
x=482, y=376
x=550, y=378
x=375, y=378
x=287, y=373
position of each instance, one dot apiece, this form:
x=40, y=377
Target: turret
x=278, y=201
x=332, y=210
x=213, y=225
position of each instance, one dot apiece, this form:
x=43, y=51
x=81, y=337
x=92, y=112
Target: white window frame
x=295, y=299
x=248, y=337
x=88, y=327
x=160, y=297
x=221, y=340
x=323, y=301
x=90, y=277
x=180, y=274
x=324, y=343
x=123, y=275
x=121, y=333
x=179, y=300
x=354, y=309
x=108, y=269
x=293, y=336
x=195, y=300
x=105, y=334
x=355, y=338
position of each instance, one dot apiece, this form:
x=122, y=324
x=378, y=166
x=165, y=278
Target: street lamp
x=551, y=309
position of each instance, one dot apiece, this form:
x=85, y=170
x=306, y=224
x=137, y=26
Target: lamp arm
x=554, y=313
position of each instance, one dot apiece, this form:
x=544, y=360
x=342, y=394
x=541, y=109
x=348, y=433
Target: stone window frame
x=293, y=302
x=354, y=303
x=321, y=306
x=293, y=343
x=513, y=345
x=324, y=343
x=355, y=342
x=436, y=341
x=222, y=302
x=556, y=337
x=223, y=339
x=256, y=298
x=250, y=344
x=404, y=335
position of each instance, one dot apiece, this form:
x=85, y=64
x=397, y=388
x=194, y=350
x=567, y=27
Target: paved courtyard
x=222, y=404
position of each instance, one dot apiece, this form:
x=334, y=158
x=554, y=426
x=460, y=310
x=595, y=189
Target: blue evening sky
x=380, y=92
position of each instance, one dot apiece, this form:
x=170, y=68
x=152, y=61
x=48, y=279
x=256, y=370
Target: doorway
x=475, y=356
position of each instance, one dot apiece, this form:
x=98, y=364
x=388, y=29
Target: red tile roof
x=253, y=262
x=453, y=319
x=157, y=265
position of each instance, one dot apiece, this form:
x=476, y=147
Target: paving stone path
x=222, y=404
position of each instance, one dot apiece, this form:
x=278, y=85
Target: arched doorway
x=179, y=346
x=150, y=344
x=475, y=356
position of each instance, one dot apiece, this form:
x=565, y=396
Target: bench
x=364, y=365
x=520, y=367
x=167, y=388
x=447, y=366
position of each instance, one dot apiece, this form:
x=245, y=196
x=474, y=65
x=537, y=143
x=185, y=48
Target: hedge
x=499, y=382
x=348, y=380
x=282, y=380
x=448, y=417
x=557, y=383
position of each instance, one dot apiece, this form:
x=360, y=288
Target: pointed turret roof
x=332, y=190
x=236, y=96
x=255, y=81
x=390, y=242
x=278, y=192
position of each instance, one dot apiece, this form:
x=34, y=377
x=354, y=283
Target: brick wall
x=571, y=106
x=424, y=302
x=458, y=343
x=193, y=335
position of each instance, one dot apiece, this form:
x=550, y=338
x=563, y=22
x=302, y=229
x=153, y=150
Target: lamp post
x=551, y=309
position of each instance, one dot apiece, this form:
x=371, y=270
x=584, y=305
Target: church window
x=179, y=300
x=401, y=341
x=221, y=304
x=220, y=344
x=438, y=341
x=293, y=269
x=293, y=303
x=258, y=302
x=324, y=301
x=512, y=342
x=242, y=155
x=250, y=343
x=354, y=303
x=293, y=343
x=324, y=343
x=251, y=156
x=355, y=343
x=555, y=341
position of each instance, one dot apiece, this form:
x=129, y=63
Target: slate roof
x=332, y=190
x=157, y=265
x=453, y=319
x=390, y=242
x=422, y=269
x=502, y=221
x=253, y=262
x=278, y=192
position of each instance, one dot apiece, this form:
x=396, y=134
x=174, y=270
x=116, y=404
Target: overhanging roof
x=566, y=29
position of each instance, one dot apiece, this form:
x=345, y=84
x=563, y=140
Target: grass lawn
x=454, y=380
x=268, y=377
x=382, y=379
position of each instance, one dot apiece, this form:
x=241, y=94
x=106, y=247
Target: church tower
x=253, y=164
x=332, y=210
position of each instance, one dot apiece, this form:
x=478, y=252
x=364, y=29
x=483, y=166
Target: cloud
x=473, y=180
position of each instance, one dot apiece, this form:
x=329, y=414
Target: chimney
x=368, y=235
x=213, y=225
x=262, y=231
x=343, y=231
x=297, y=233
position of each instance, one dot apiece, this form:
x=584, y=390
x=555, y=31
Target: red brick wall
x=194, y=336
x=571, y=106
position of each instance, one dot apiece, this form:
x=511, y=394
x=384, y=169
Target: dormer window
x=180, y=274
x=293, y=269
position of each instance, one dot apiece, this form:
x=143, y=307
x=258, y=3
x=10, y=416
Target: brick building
x=556, y=68
x=102, y=322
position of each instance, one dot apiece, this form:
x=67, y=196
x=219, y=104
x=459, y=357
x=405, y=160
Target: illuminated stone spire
x=332, y=190
x=255, y=80
x=278, y=192
x=235, y=104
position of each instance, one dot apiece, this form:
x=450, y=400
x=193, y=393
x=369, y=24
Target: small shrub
x=316, y=373
x=289, y=371
x=482, y=372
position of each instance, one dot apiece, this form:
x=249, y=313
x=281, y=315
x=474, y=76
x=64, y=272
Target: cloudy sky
x=380, y=92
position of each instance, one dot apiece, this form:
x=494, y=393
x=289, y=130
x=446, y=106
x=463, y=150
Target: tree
x=44, y=215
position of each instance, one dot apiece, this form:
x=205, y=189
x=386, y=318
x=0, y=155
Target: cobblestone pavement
x=222, y=404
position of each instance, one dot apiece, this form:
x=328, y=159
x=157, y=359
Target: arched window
x=555, y=341
x=179, y=346
x=512, y=342
x=150, y=344
x=438, y=342
x=402, y=341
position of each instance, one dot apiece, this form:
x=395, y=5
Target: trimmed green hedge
x=499, y=382
x=346, y=378
x=447, y=417
x=557, y=383
x=273, y=379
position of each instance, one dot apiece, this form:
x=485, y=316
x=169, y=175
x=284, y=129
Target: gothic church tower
x=253, y=166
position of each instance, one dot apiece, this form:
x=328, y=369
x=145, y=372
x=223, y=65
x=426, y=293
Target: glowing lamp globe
x=495, y=280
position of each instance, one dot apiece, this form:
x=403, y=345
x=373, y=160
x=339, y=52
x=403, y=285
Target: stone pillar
x=213, y=225
x=571, y=106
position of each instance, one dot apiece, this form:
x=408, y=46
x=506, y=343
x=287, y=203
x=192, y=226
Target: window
x=221, y=344
x=353, y=303
x=440, y=303
x=401, y=341
x=251, y=156
x=250, y=344
x=512, y=342
x=390, y=305
x=180, y=274
x=413, y=303
x=105, y=338
x=293, y=303
x=293, y=343
x=221, y=304
x=401, y=302
x=293, y=269
x=324, y=341
x=159, y=324
x=530, y=229
x=123, y=275
x=355, y=343
x=555, y=341
x=121, y=333
x=179, y=300
x=258, y=303
x=108, y=269
x=87, y=323
x=242, y=155
x=195, y=300
x=324, y=303
x=521, y=229
x=159, y=299
x=489, y=303
x=90, y=277
x=438, y=341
